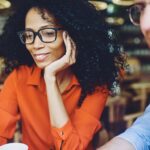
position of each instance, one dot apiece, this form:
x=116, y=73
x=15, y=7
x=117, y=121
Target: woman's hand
x=53, y=88
x=65, y=61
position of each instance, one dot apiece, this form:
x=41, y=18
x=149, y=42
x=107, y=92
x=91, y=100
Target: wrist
x=50, y=78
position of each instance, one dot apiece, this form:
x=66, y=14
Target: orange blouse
x=24, y=97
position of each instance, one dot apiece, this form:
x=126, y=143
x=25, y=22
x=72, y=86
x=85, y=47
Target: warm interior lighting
x=115, y=20
x=123, y=2
x=99, y=5
x=4, y=4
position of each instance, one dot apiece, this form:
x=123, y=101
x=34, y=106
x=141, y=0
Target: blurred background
x=123, y=109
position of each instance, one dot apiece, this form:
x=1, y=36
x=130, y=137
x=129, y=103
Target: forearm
x=57, y=110
x=117, y=143
x=83, y=122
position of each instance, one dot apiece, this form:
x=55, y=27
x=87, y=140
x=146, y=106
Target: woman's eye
x=48, y=33
x=28, y=36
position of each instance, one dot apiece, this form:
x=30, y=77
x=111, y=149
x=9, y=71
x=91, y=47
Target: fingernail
x=65, y=33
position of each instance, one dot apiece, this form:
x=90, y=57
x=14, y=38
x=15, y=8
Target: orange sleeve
x=83, y=124
x=8, y=109
x=3, y=140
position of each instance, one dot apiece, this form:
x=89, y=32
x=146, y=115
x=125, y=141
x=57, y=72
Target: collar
x=35, y=78
x=74, y=82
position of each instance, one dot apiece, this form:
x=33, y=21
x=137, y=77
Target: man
x=137, y=137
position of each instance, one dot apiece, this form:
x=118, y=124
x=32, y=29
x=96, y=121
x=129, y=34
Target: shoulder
x=20, y=73
x=19, y=76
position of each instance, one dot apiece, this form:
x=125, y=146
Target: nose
x=38, y=44
x=145, y=19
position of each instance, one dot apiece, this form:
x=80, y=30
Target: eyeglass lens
x=135, y=13
x=45, y=35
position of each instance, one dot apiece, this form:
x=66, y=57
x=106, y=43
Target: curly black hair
x=97, y=49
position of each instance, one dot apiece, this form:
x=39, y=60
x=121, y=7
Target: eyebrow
x=49, y=25
x=46, y=26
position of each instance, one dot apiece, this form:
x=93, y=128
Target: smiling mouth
x=41, y=57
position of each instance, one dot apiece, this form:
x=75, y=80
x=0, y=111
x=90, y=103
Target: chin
x=42, y=66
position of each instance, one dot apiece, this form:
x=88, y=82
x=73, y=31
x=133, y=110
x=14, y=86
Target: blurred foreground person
x=137, y=137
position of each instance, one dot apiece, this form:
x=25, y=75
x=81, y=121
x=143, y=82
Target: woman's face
x=44, y=53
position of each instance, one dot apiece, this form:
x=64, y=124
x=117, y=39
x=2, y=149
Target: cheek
x=144, y=20
x=142, y=27
x=57, y=52
x=58, y=47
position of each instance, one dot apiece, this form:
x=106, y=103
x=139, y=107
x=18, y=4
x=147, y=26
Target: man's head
x=140, y=15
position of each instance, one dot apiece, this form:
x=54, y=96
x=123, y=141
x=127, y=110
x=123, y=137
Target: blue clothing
x=139, y=133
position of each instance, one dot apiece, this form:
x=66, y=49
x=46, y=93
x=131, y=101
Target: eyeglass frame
x=37, y=33
x=129, y=11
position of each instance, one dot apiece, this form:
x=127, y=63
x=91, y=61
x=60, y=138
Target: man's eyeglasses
x=135, y=12
x=46, y=35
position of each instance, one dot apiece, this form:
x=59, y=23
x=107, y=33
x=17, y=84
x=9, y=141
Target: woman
x=64, y=67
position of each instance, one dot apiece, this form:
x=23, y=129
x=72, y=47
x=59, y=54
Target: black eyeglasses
x=135, y=12
x=46, y=35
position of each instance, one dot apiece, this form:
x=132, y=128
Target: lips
x=40, y=57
